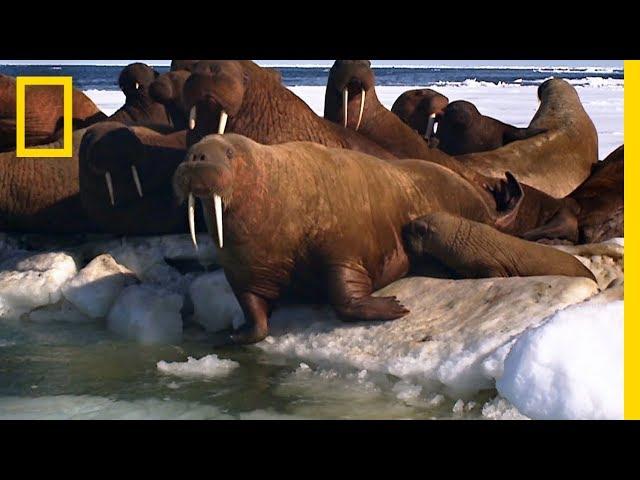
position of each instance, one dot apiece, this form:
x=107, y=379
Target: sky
x=452, y=63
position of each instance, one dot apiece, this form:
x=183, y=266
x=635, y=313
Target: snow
x=210, y=366
x=571, y=367
x=215, y=305
x=147, y=315
x=95, y=288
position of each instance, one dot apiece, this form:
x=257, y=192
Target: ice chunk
x=215, y=305
x=571, y=367
x=147, y=314
x=29, y=281
x=500, y=409
x=94, y=289
x=210, y=366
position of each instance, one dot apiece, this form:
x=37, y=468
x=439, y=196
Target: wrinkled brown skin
x=139, y=108
x=43, y=113
x=463, y=129
x=378, y=124
x=555, y=162
x=305, y=219
x=474, y=250
x=40, y=195
x=261, y=108
x=414, y=107
x=115, y=147
x=167, y=90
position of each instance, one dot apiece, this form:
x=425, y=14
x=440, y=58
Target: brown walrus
x=187, y=65
x=125, y=179
x=463, y=129
x=139, y=108
x=417, y=109
x=319, y=221
x=351, y=101
x=43, y=113
x=238, y=96
x=556, y=161
x=41, y=194
x=167, y=90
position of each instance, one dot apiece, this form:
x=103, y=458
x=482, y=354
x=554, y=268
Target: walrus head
x=420, y=109
x=349, y=83
x=208, y=173
x=167, y=90
x=135, y=79
x=183, y=65
x=213, y=94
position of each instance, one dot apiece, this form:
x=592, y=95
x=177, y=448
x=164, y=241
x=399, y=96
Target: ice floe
x=215, y=305
x=210, y=366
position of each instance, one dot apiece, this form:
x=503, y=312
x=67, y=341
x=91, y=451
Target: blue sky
x=551, y=63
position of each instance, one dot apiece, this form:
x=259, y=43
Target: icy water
x=63, y=370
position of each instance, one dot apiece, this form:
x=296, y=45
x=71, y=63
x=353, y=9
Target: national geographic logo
x=21, y=149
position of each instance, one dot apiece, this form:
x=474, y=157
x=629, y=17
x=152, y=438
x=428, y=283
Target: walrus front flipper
x=256, y=314
x=508, y=195
x=476, y=250
x=350, y=295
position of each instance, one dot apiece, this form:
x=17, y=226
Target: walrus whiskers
x=192, y=118
x=192, y=220
x=136, y=180
x=223, y=122
x=362, y=100
x=107, y=177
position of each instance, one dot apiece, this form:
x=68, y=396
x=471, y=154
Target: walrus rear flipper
x=508, y=195
x=476, y=250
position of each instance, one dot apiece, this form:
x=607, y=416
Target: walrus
x=125, y=179
x=321, y=222
x=419, y=109
x=182, y=65
x=43, y=113
x=167, y=90
x=238, y=96
x=139, y=107
x=556, y=161
x=599, y=204
x=351, y=101
x=41, y=194
x=463, y=129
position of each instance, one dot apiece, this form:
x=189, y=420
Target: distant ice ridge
x=571, y=367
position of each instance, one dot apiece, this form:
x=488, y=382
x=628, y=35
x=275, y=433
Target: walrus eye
x=202, y=158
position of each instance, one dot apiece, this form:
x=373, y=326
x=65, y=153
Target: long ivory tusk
x=223, y=122
x=192, y=220
x=107, y=177
x=362, y=100
x=136, y=180
x=345, y=105
x=217, y=203
x=137, y=85
x=429, y=132
x=192, y=118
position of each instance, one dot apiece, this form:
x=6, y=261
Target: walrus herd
x=323, y=209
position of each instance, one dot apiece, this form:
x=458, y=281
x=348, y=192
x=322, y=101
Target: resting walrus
x=416, y=108
x=167, y=90
x=238, y=96
x=463, y=129
x=556, y=161
x=43, y=113
x=319, y=221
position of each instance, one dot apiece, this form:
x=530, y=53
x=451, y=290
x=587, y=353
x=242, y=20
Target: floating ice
x=500, y=409
x=571, y=367
x=147, y=314
x=29, y=281
x=210, y=366
x=215, y=305
x=95, y=288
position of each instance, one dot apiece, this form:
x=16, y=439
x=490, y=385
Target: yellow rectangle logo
x=21, y=149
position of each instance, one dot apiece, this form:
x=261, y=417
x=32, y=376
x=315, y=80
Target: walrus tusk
x=136, y=180
x=429, y=132
x=223, y=122
x=345, y=102
x=192, y=118
x=217, y=203
x=362, y=100
x=107, y=177
x=192, y=220
x=137, y=85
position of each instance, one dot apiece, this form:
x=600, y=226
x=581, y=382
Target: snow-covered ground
x=442, y=361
